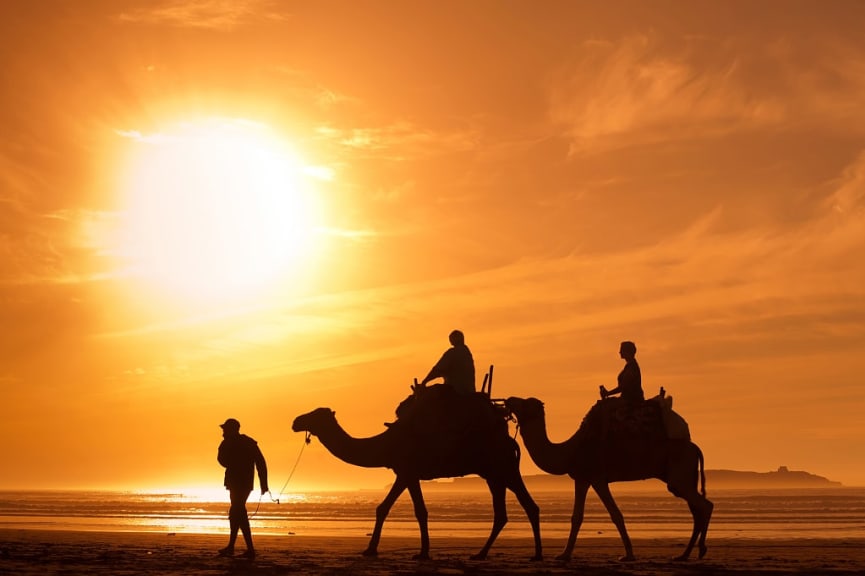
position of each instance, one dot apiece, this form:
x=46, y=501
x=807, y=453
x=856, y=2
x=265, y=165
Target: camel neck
x=371, y=452
x=551, y=457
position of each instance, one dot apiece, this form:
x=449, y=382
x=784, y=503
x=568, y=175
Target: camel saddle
x=645, y=418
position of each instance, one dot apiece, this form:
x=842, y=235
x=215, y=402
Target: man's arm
x=222, y=454
x=261, y=466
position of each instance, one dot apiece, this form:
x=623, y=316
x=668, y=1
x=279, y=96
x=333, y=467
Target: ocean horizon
x=833, y=512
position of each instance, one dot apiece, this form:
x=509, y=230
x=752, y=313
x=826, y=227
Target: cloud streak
x=640, y=87
x=207, y=14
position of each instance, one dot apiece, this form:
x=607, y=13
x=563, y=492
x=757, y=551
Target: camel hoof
x=479, y=556
x=370, y=553
x=628, y=558
x=536, y=558
x=563, y=558
x=421, y=556
x=702, y=553
x=682, y=558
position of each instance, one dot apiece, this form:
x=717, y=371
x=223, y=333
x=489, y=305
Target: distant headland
x=783, y=477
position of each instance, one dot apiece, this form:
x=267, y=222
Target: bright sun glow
x=215, y=209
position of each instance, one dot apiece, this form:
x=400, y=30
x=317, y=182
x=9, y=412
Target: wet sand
x=35, y=552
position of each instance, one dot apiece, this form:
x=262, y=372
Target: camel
x=489, y=452
x=592, y=457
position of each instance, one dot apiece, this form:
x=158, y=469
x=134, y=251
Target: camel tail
x=702, y=470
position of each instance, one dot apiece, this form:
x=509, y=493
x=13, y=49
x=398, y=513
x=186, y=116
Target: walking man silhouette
x=240, y=456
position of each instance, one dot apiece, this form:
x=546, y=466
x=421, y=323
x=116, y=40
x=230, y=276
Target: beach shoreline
x=41, y=552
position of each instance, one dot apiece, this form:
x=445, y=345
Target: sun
x=215, y=209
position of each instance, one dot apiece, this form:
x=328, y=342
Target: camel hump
x=440, y=410
x=448, y=433
x=654, y=417
x=618, y=417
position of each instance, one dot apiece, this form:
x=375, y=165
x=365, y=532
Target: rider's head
x=457, y=338
x=627, y=349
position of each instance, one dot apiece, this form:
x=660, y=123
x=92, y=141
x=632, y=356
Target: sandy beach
x=34, y=552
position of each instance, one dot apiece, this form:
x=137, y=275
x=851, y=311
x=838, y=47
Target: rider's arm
x=605, y=393
x=439, y=370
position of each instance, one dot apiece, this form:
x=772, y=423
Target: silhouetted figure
x=456, y=366
x=630, y=381
x=241, y=456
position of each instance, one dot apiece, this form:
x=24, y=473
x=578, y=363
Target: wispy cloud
x=209, y=14
x=404, y=137
x=717, y=289
x=638, y=87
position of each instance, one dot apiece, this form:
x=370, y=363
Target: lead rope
x=306, y=441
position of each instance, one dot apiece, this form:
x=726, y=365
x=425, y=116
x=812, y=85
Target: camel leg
x=518, y=487
x=381, y=512
x=695, y=532
x=685, y=465
x=500, y=517
x=709, y=506
x=701, y=511
x=603, y=491
x=580, y=490
x=420, y=512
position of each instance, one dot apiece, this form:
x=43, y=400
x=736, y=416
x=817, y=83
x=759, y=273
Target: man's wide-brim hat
x=230, y=424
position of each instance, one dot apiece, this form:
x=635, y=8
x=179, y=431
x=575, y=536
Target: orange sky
x=551, y=178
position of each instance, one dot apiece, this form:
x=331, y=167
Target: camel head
x=525, y=409
x=314, y=421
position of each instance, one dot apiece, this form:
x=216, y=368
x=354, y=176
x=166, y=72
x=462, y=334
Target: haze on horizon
x=250, y=209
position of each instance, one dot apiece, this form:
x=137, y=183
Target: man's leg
x=247, y=531
x=243, y=523
x=236, y=517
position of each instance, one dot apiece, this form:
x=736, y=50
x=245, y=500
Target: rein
x=509, y=416
x=306, y=441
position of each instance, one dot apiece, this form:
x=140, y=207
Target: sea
x=836, y=512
